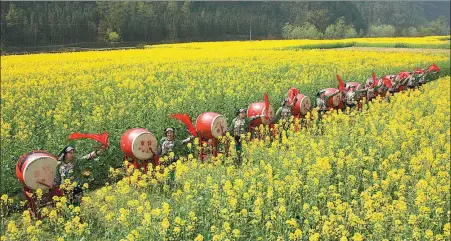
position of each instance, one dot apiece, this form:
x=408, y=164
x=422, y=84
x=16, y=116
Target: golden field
x=379, y=174
x=382, y=174
x=45, y=97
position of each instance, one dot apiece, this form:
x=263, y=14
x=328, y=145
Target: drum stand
x=34, y=204
x=213, y=145
x=255, y=133
x=138, y=164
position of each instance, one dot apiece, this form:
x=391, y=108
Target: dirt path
x=395, y=49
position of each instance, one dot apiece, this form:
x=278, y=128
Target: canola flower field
x=438, y=42
x=380, y=174
x=45, y=97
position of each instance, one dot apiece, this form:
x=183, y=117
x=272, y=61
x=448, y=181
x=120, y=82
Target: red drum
x=302, y=106
x=355, y=85
x=334, y=101
x=259, y=108
x=211, y=125
x=139, y=143
x=36, y=170
x=403, y=75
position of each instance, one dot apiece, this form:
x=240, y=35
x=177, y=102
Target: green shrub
x=306, y=31
x=340, y=30
x=381, y=31
x=114, y=36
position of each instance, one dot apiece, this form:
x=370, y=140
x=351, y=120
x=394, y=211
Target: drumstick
x=43, y=184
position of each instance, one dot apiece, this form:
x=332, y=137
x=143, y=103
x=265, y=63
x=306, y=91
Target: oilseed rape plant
x=422, y=42
x=45, y=97
x=380, y=174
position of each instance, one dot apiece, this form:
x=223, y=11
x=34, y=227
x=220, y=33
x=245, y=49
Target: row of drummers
x=141, y=144
x=38, y=169
x=353, y=92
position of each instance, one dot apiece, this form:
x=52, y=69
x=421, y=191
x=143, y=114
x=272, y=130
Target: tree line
x=60, y=23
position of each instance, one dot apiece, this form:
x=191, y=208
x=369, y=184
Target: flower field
x=382, y=174
x=45, y=97
x=439, y=42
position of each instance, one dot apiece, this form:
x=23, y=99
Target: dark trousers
x=351, y=106
x=238, y=148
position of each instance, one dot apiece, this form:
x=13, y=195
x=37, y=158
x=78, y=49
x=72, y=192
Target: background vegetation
x=25, y=24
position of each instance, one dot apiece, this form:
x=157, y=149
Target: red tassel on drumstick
x=266, y=99
x=184, y=118
x=102, y=138
x=341, y=83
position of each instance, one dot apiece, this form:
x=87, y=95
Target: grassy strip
x=364, y=44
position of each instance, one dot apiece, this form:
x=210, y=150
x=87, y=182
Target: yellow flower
x=226, y=227
x=39, y=194
x=165, y=223
x=236, y=233
x=357, y=237
x=177, y=230
x=5, y=198
x=53, y=214
x=199, y=237
x=166, y=209
x=429, y=234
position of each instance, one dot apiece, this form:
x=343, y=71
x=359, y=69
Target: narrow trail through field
x=395, y=49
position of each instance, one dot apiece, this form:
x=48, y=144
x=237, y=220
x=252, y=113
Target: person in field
x=412, y=82
x=238, y=127
x=395, y=83
x=284, y=112
x=370, y=90
x=68, y=168
x=350, y=98
x=170, y=148
x=321, y=102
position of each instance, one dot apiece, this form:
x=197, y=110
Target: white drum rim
x=29, y=162
x=133, y=144
x=213, y=121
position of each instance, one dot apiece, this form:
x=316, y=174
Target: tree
x=340, y=30
x=381, y=31
x=114, y=36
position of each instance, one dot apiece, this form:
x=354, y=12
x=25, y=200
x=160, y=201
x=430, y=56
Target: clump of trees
x=340, y=29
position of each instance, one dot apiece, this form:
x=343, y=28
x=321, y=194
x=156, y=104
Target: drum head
x=305, y=105
x=41, y=169
x=144, y=146
x=336, y=99
x=270, y=115
x=218, y=126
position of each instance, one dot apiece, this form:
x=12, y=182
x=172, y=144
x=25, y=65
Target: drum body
x=403, y=75
x=36, y=170
x=211, y=125
x=335, y=101
x=302, y=106
x=259, y=108
x=138, y=143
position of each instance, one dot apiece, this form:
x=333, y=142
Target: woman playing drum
x=68, y=168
